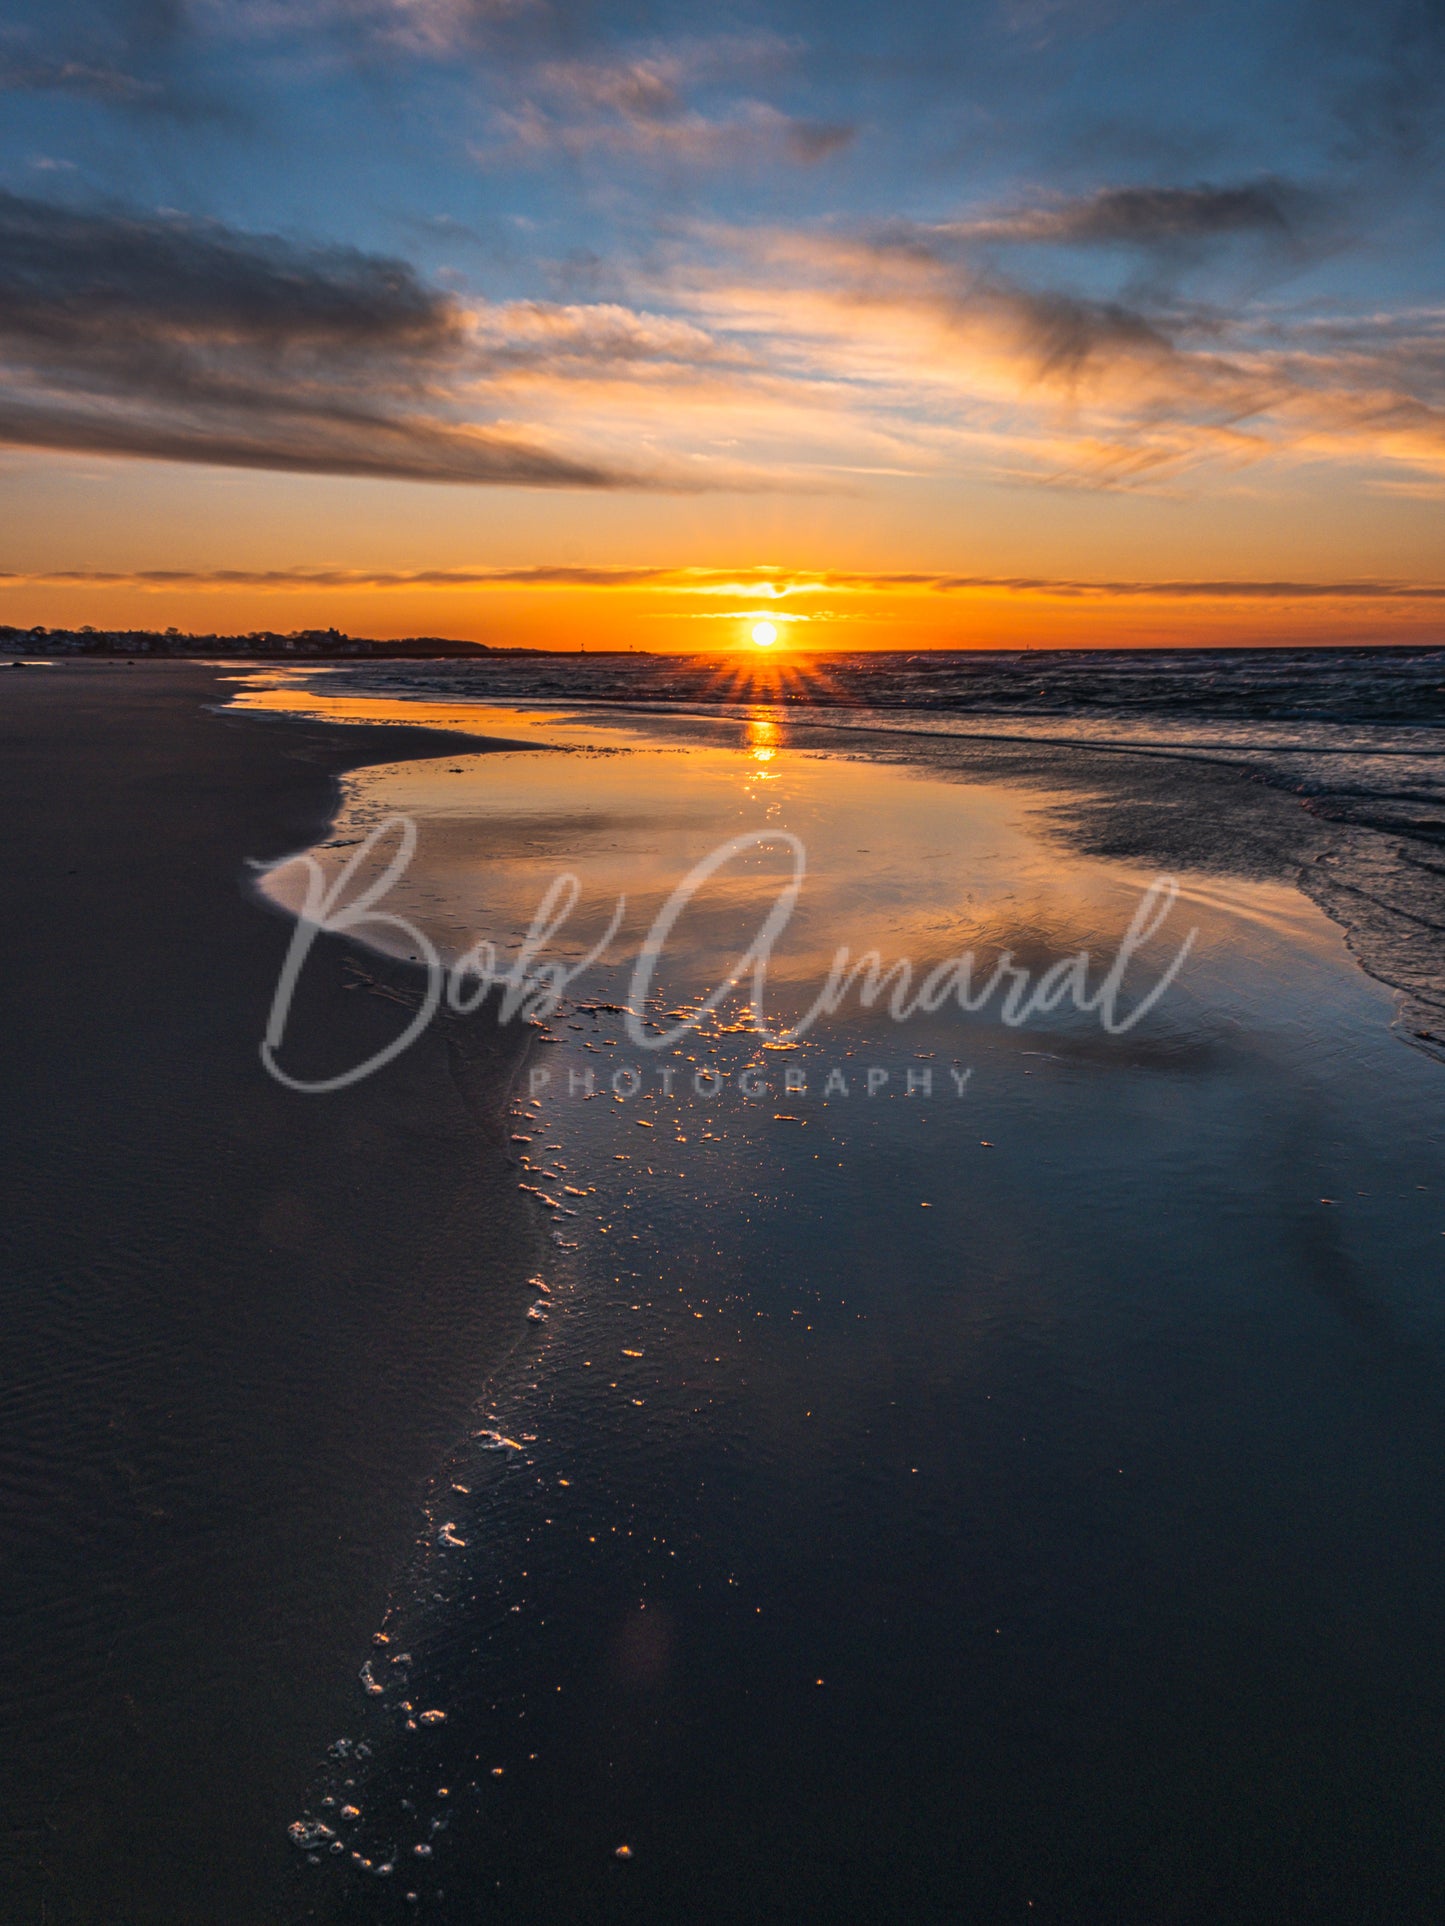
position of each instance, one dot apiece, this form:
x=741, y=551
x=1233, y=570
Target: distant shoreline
x=257, y=645
x=320, y=647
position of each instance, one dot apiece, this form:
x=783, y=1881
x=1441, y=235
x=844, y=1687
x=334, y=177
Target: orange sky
x=705, y=610
x=956, y=562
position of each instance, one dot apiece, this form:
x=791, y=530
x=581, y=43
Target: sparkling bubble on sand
x=307, y=1833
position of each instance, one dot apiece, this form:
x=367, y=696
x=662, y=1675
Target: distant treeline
x=261, y=644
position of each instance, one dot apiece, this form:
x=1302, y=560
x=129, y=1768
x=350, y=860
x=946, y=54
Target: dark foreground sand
x=240, y=1325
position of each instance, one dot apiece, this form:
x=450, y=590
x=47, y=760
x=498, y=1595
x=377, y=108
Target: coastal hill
x=259, y=645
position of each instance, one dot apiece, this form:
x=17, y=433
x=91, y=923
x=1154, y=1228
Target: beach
x=928, y=1458
x=238, y=1335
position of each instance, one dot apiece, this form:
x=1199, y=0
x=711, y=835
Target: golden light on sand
x=764, y=635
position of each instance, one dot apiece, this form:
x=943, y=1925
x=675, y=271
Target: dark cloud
x=105, y=280
x=157, y=335
x=1062, y=332
x=985, y=265
x=1161, y=231
x=301, y=442
x=1162, y=216
x=1217, y=591
x=1058, y=330
x=815, y=140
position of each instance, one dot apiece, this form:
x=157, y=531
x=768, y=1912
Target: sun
x=764, y=635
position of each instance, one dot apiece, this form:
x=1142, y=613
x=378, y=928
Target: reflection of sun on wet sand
x=900, y=865
x=935, y=1360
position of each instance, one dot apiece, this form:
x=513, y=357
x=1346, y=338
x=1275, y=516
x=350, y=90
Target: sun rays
x=764, y=674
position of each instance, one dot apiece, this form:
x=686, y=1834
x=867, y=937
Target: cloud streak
x=745, y=583
x=1150, y=217
x=49, y=75
x=153, y=335
x=961, y=360
x=638, y=106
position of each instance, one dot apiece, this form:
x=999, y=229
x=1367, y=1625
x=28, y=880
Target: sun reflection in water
x=763, y=737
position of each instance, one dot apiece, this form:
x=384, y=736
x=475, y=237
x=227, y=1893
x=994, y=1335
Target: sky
x=543, y=322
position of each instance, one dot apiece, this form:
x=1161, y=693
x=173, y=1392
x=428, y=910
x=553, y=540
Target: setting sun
x=764, y=635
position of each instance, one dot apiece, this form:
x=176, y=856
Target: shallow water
x=1352, y=735
x=1017, y=1498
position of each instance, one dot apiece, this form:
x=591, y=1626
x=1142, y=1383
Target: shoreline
x=235, y=1359
x=1218, y=809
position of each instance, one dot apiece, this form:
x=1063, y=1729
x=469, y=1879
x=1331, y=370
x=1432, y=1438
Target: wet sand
x=239, y=1333
x=1353, y=824
x=1000, y=1502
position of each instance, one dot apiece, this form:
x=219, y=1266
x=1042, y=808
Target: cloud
x=1150, y=217
x=421, y=29
x=1063, y=333
x=159, y=336
x=967, y=365
x=155, y=335
x=778, y=358
x=638, y=106
x=571, y=339
x=924, y=327
x=73, y=278
x=86, y=79
x=397, y=450
x=772, y=583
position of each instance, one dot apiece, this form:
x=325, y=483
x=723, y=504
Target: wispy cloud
x=561, y=337
x=1043, y=381
x=52, y=75
x=1148, y=217
x=640, y=106
x=748, y=583
x=424, y=29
